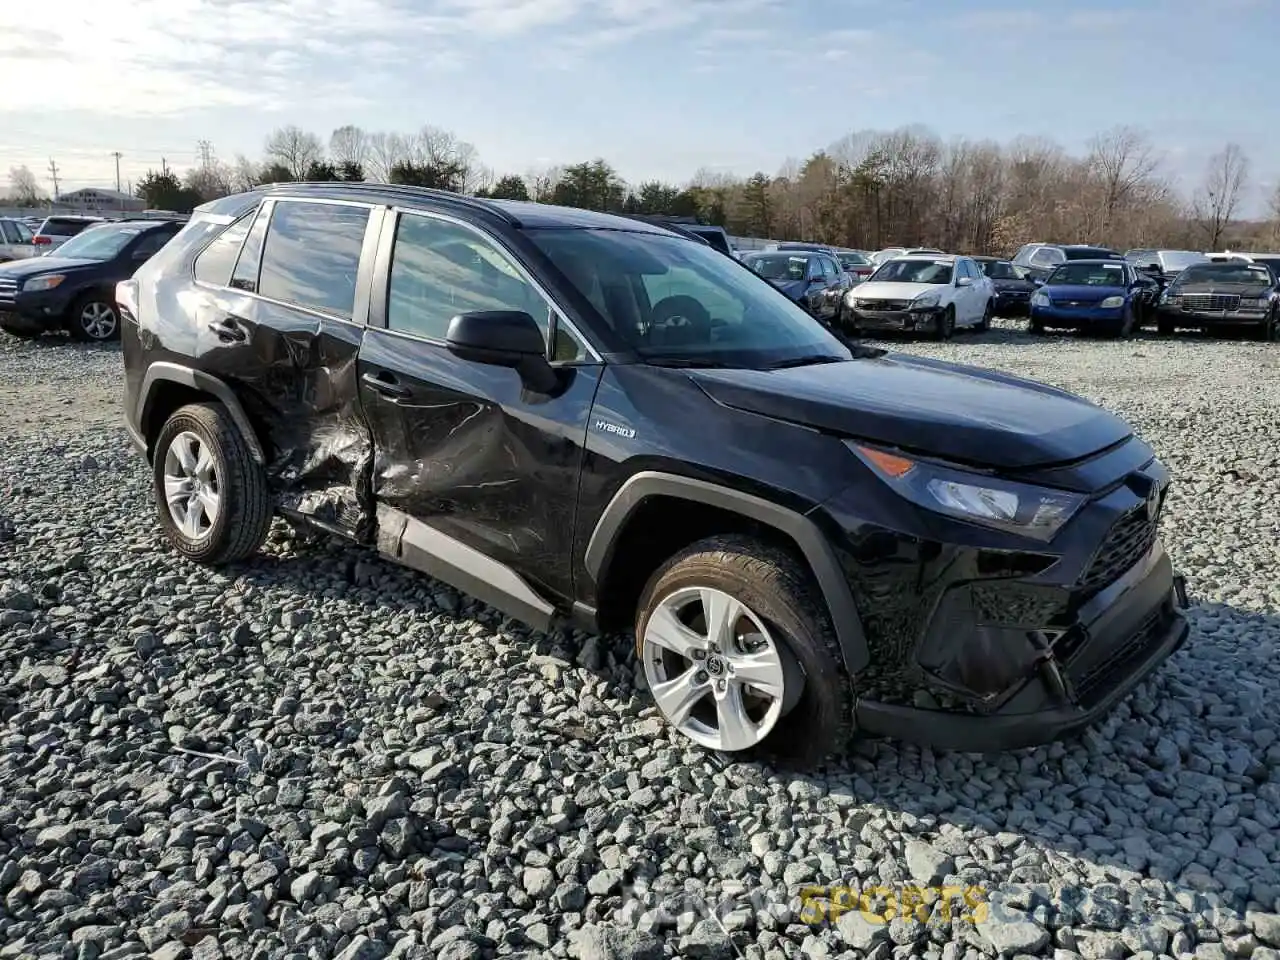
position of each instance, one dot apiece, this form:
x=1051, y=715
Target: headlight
x=1035, y=512
x=47, y=282
x=1112, y=302
x=850, y=300
x=925, y=300
x=1262, y=303
x=1040, y=300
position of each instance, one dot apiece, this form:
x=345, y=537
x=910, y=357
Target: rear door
x=283, y=300
x=16, y=241
x=480, y=469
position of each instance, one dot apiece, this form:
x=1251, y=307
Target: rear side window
x=216, y=260
x=312, y=255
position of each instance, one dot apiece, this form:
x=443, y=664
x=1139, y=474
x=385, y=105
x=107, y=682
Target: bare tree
x=212, y=180
x=294, y=149
x=349, y=144
x=1220, y=194
x=1273, y=207
x=24, y=187
x=1124, y=161
x=386, y=150
x=542, y=183
x=244, y=174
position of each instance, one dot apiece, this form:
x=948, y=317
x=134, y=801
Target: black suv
x=589, y=419
x=73, y=288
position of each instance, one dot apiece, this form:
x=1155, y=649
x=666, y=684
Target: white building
x=102, y=201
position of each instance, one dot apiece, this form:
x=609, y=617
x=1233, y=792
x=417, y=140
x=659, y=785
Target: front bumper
x=1012, y=304
x=1128, y=630
x=42, y=310
x=905, y=321
x=1179, y=317
x=1077, y=318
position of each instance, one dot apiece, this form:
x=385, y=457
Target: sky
x=660, y=88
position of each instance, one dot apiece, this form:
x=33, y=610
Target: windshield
x=1088, y=274
x=674, y=300
x=914, y=271
x=99, y=243
x=1239, y=271
x=779, y=266
x=1002, y=270
x=853, y=260
x=1180, y=259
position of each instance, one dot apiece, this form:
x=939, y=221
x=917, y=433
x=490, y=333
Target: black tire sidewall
x=821, y=722
x=228, y=489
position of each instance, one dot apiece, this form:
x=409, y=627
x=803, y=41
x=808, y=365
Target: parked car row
x=73, y=288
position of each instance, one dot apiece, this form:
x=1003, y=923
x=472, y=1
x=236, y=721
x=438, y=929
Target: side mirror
x=965, y=282
x=503, y=338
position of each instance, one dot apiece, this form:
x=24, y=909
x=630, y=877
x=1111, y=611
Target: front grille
x=1075, y=303
x=1211, y=302
x=1093, y=677
x=8, y=290
x=883, y=304
x=1126, y=543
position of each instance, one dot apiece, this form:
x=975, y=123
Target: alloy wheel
x=713, y=668
x=192, y=486
x=98, y=320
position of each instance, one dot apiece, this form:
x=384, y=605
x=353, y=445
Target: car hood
x=1081, y=291
x=893, y=290
x=960, y=413
x=32, y=266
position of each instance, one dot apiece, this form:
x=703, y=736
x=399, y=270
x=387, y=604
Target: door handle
x=228, y=331
x=385, y=384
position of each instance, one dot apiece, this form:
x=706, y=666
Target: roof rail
x=400, y=190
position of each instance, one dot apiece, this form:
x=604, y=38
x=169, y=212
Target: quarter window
x=312, y=255
x=214, y=263
x=441, y=269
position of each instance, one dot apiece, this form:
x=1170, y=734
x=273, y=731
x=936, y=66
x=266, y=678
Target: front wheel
x=212, y=496
x=1165, y=327
x=1271, y=328
x=945, y=324
x=94, y=317
x=740, y=655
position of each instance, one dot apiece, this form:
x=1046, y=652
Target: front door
x=478, y=470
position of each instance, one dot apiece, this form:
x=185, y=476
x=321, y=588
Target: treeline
x=868, y=190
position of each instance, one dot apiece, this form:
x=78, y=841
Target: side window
x=151, y=243
x=440, y=269
x=214, y=263
x=7, y=233
x=24, y=235
x=312, y=255
x=830, y=269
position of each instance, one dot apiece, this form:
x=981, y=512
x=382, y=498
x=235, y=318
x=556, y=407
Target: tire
x=1165, y=327
x=1124, y=329
x=945, y=324
x=244, y=508
x=95, y=318
x=810, y=714
x=984, y=324
x=1270, y=330
x=1034, y=325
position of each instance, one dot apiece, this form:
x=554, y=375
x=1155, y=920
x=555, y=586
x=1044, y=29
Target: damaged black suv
x=589, y=419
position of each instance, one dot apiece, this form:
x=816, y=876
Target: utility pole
x=53, y=175
x=117, y=155
x=164, y=166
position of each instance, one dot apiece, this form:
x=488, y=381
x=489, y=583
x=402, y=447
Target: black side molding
x=198, y=380
x=430, y=551
x=817, y=551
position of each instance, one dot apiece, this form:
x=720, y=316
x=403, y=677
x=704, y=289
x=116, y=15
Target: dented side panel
x=477, y=456
x=295, y=374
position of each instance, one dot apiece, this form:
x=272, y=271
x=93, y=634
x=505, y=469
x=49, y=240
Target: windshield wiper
x=686, y=362
x=806, y=360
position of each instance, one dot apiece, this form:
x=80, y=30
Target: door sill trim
x=428, y=550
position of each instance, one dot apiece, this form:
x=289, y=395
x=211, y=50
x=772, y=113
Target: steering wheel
x=679, y=319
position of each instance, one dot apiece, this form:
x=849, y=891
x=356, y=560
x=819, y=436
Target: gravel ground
x=319, y=754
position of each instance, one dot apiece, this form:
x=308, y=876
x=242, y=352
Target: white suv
x=922, y=293
x=16, y=240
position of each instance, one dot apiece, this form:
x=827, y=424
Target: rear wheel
x=94, y=317
x=985, y=323
x=211, y=495
x=740, y=655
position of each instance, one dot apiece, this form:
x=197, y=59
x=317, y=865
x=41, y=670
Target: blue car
x=1098, y=296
